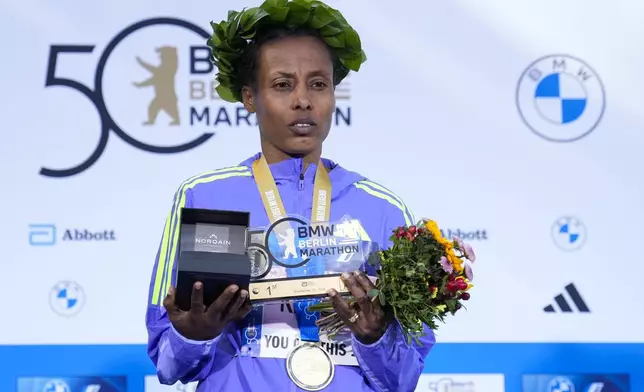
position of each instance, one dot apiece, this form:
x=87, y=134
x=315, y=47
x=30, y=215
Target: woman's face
x=294, y=101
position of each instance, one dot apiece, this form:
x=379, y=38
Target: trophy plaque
x=293, y=259
x=289, y=260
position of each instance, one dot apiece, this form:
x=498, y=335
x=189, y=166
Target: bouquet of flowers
x=421, y=279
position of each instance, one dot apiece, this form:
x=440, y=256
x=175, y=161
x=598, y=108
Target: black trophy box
x=213, y=251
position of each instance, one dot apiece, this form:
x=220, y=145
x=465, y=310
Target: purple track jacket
x=389, y=365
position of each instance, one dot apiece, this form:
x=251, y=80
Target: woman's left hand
x=367, y=320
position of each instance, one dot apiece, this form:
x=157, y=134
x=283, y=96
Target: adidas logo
x=564, y=305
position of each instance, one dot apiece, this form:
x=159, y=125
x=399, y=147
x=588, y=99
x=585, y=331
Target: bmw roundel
x=560, y=98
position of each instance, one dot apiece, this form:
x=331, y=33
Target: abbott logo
x=42, y=235
x=563, y=304
x=47, y=235
x=466, y=235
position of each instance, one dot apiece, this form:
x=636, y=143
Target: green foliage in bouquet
x=422, y=278
x=231, y=37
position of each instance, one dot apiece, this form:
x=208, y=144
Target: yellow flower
x=441, y=308
x=434, y=292
x=449, y=250
x=433, y=228
x=455, y=261
x=446, y=243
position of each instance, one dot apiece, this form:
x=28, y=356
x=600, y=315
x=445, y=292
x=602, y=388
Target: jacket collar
x=290, y=170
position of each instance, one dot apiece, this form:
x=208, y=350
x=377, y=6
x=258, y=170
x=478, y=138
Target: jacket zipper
x=300, y=187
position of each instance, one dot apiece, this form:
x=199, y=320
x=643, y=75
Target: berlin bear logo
x=162, y=79
x=288, y=241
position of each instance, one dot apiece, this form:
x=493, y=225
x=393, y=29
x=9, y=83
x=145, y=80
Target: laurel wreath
x=230, y=37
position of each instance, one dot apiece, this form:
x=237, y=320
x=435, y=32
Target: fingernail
x=198, y=285
x=345, y=275
x=331, y=292
x=356, y=273
x=243, y=294
x=233, y=289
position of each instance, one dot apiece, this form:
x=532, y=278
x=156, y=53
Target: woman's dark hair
x=249, y=61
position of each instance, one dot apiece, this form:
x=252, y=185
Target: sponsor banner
x=576, y=383
x=462, y=363
x=461, y=383
x=72, y=384
x=152, y=384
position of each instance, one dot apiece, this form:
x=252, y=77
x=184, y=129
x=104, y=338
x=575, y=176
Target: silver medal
x=258, y=262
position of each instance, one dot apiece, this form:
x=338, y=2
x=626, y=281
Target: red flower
x=412, y=230
x=401, y=232
x=461, y=285
x=451, y=286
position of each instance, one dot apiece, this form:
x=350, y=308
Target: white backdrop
x=443, y=112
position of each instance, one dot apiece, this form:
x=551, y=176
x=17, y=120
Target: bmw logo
x=569, y=233
x=560, y=98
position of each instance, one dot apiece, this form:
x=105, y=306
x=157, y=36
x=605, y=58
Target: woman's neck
x=275, y=155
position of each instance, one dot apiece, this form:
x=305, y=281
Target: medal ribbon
x=273, y=202
x=275, y=210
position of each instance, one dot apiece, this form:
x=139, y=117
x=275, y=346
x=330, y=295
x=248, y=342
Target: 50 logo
x=119, y=102
x=133, y=95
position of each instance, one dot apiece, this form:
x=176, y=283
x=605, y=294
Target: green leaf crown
x=231, y=37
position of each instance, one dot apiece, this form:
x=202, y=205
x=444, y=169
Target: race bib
x=277, y=334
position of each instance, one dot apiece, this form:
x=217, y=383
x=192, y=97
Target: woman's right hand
x=200, y=323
